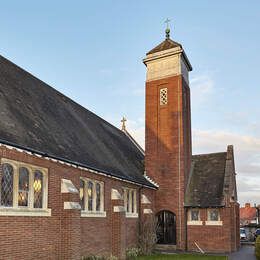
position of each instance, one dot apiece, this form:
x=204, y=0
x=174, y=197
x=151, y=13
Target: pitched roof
x=247, y=214
x=36, y=116
x=206, y=182
x=165, y=45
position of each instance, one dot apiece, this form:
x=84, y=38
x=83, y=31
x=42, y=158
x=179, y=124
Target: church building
x=73, y=185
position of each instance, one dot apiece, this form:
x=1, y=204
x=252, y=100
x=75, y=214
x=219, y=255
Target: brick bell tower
x=168, y=136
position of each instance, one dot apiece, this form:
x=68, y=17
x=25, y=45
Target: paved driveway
x=246, y=252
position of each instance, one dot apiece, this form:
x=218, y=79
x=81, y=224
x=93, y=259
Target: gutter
x=70, y=163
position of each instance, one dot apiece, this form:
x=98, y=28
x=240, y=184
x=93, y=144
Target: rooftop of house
x=247, y=213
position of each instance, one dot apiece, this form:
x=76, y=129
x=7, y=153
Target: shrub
x=257, y=248
x=148, y=239
x=93, y=257
x=96, y=257
x=132, y=253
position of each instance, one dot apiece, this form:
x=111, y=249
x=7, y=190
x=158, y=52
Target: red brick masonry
x=65, y=234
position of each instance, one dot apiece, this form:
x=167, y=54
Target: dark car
x=257, y=233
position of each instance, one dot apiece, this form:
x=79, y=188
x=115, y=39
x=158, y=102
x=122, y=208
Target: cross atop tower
x=167, y=30
x=167, y=21
x=123, y=121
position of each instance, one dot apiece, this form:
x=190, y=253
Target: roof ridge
x=194, y=155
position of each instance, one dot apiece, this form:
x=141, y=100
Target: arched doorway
x=166, y=227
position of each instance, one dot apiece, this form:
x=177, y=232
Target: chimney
x=247, y=205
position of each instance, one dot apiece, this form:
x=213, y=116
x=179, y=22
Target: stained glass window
x=81, y=194
x=94, y=196
x=130, y=200
x=37, y=187
x=163, y=96
x=133, y=201
x=195, y=215
x=23, y=187
x=7, y=185
x=90, y=196
x=98, y=196
x=213, y=215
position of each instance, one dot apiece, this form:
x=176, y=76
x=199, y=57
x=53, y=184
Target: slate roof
x=165, y=45
x=36, y=116
x=206, y=182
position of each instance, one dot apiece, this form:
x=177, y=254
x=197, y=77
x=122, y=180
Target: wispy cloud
x=247, y=155
x=202, y=89
x=247, y=158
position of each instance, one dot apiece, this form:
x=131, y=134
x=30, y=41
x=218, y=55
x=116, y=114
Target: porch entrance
x=166, y=227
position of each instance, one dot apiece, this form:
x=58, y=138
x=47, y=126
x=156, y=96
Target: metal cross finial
x=167, y=31
x=167, y=21
x=123, y=121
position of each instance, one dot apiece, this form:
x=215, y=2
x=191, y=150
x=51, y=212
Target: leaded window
x=194, y=215
x=98, y=188
x=213, y=215
x=7, y=185
x=22, y=185
x=37, y=188
x=130, y=202
x=91, y=195
x=133, y=201
x=81, y=194
x=163, y=96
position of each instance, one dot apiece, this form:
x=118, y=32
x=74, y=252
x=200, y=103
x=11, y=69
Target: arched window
x=130, y=202
x=98, y=196
x=133, y=201
x=166, y=227
x=38, y=189
x=7, y=185
x=81, y=194
x=23, y=187
x=90, y=196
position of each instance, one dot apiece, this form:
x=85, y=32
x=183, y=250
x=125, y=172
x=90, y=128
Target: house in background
x=249, y=215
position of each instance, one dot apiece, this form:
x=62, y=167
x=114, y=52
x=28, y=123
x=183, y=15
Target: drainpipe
x=140, y=212
x=186, y=229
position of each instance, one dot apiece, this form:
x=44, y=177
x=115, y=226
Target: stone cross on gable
x=123, y=121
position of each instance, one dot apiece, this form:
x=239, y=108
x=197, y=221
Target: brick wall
x=215, y=238
x=66, y=235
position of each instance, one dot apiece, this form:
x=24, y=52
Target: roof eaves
x=71, y=163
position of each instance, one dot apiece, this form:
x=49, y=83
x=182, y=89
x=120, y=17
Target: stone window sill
x=195, y=223
x=214, y=223
x=26, y=212
x=93, y=214
x=131, y=215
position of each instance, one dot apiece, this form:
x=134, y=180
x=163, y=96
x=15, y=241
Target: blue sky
x=92, y=51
